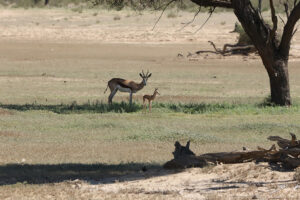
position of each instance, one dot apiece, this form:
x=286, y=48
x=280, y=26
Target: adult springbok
x=123, y=85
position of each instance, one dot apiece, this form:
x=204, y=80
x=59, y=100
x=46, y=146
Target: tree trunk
x=279, y=82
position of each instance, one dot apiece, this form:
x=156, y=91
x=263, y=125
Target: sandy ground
x=119, y=27
x=236, y=181
x=241, y=181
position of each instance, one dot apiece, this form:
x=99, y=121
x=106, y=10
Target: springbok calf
x=150, y=98
x=123, y=85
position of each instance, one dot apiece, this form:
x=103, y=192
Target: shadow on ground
x=99, y=173
x=97, y=107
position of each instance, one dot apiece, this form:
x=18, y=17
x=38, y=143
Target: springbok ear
x=188, y=145
x=149, y=75
x=177, y=144
x=141, y=75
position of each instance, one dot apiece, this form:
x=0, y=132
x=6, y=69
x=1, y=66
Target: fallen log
x=284, y=143
x=287, y=157
x=233, y=49
x=229, y=49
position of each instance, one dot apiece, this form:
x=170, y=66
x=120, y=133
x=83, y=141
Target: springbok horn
x=143, y=73
x=147, y=72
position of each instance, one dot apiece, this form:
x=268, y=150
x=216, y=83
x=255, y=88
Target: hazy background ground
x=54, y=57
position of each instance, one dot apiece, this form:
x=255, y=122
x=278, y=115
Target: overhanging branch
x=165, y=7
x=187, y=23
x=289, y=30
x=274, y=20
x=210, y=14
x=214, y=3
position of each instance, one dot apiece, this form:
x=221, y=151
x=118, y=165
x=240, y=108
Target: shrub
x=243, y=38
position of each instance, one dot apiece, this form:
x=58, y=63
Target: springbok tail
x=106, y=89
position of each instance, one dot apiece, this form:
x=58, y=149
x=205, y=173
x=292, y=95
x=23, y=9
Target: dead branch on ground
x=287, y=156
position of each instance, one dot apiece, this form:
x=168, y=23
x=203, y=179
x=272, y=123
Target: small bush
x=117, y=17
x=243, y=38
x=172, y=14
x=77, y=9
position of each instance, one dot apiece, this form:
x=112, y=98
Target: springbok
x=150, y=98
x=123, y=85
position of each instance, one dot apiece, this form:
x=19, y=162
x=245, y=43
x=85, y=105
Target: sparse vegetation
x=172, y=14
x=243, y=38
x=78, y=9
x=117, y=17
x=223, y=23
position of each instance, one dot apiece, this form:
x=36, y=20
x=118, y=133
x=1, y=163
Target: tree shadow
x=93, y=173
x=97, y=107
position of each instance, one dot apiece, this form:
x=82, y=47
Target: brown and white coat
x=122, y=85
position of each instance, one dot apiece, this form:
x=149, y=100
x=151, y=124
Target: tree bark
x=279, y=83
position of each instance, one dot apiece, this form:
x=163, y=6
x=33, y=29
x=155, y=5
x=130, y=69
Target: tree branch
x=214, y=3
x=210, y=14
x=289, y=30
x=286, y=9
x=296, y=29
x=281, y=20
x=187, y=23
x=166, y=6
x=259, y=6
x=274, y=20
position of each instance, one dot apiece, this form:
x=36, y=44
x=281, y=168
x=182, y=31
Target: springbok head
x=145, y=77
x=156, y=91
